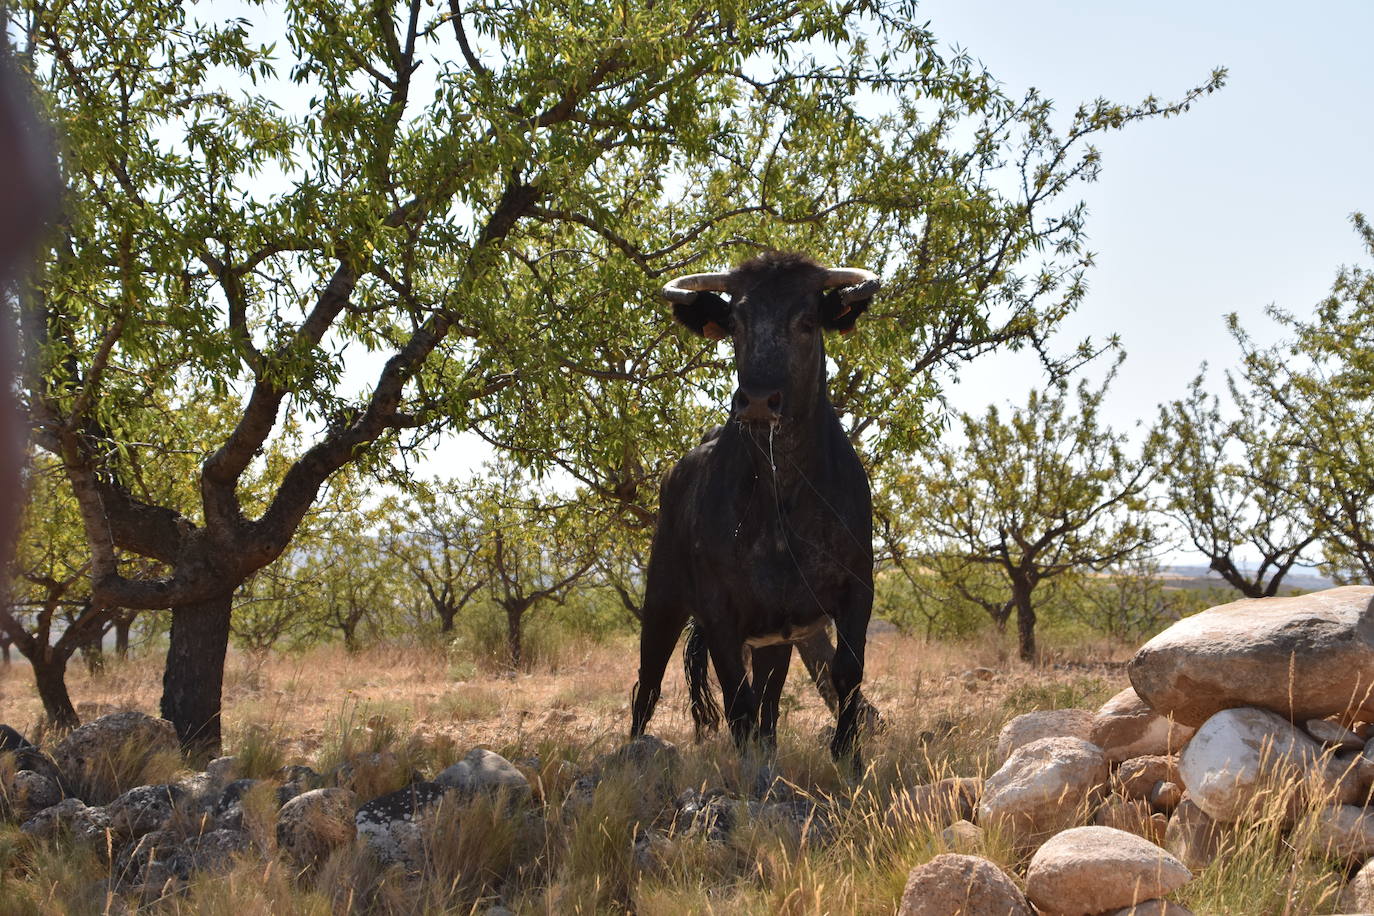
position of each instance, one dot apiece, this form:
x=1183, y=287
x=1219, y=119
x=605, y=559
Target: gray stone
x=963, y=836
x=1333, y=734
x=29, y=793
x=73, y=817
x=390, y=824
x=484, y=771
x=11, y=740
x=314, y=824
x=222, y=771
x=1344, y=832
x=1137, y=777
x=143, y=810
x=1090, y=870
x=1239, y=753
x=98, y=757
x=1192, y=836
x=1358, y=894
x=1165, y=796
x=1156, y=907
x=1304, y=657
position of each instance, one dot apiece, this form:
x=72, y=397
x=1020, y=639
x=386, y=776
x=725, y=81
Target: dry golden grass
x=429, y=707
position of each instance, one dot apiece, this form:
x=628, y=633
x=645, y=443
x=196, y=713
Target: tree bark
x=123, y=623
x=194, y=679
x=514, y=613
x=5, y=652
x=446, y=616
x=50, y=674
x=1025, y=620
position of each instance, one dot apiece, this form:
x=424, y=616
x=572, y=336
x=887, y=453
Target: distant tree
x=1045, y=492
x=436, y=542
x=1232, y=483
x=1128, y=600
x=1318, y=388
x=535, y=549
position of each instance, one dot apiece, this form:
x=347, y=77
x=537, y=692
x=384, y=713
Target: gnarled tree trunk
x=193, y=682
x=50, y=675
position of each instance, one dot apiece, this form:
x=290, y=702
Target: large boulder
x=391, y=824
x=101, y=759
x=1044, y=787
x=1192, y=836
x=1307, y=657
x=1125, y=726
x=1090, y=870
x=27, y=793
x=1358, y=894
x=1043, y=723
x=959, y=885
x=142, y=810
x=1238, y=754
x=1343, y=832
x=74, y=818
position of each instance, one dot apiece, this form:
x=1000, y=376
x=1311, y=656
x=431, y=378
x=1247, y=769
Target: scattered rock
x=1333, y=734
x=1045, y=723
x=1358, y=894
x=373, y=774
x=1345, y=832
x=957, y=884
x=215, y=851
x=1044, y=787
x=940, y=802
x=1133, y=816
x=73, y=817
x=142, y=810
x=296, y=779
x=652, y=850
x=228, y=807
x=222, y=771
x=390, y=824
x=154, y=864
x=1156, y=907
x=963, y=836
x=1192, y=835
x=484, y=771
x=1305, y=657
x=1089, y=870
x=1238, y=754
x=11, y=740
x=97, y=759
x=643, y=750
x=314, y=824
x=1138, y=776
x=1165, y=796
x=1125, y=727
x=29, y=793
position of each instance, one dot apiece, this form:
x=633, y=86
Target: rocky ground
x=1230, y=775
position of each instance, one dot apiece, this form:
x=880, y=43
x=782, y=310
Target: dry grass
x=561, y=855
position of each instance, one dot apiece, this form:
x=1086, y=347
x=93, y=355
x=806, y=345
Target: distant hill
x=1203, y=577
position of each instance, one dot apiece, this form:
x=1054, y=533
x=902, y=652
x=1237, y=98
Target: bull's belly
x=788, y=636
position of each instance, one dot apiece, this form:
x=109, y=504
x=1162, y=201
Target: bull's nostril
x=774, y=400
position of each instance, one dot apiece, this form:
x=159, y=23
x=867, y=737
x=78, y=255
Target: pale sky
x=1242, y=202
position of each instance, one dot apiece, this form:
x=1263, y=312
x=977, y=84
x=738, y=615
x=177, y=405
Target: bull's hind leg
x=658, y=634
x=770, y=673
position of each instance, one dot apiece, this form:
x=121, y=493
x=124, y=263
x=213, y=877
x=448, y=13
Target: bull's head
x=778, y=306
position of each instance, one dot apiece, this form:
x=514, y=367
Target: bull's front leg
x=741, y=708
x=847, y=674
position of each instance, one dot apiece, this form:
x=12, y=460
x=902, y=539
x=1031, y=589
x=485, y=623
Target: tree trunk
x=1025, y=620
x=123, y=623
x=93, y=654
x=194, y=679
x=446, y=615
x=5, y=652
x=514, y=613
x=50, y=674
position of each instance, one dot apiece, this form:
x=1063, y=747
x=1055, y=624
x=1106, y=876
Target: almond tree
x=1040, y=493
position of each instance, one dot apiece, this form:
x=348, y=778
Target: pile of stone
x=157, y=836
x=1119, y=807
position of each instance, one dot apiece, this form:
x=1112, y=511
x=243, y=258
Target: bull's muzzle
x=762, y=407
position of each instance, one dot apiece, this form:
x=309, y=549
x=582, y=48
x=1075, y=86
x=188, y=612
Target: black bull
x=765, y=529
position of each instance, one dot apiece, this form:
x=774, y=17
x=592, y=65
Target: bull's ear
x=707, y=314
x=838, y=315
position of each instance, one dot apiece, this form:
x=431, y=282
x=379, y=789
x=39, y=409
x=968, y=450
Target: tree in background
x=1318, y=389
x=434, y=539
x=1232, y=486
x=1045, y=492
x=535, y=549
x=483, y=197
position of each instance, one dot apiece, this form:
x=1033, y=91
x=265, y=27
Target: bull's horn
x=858, y=283
x=683, y=289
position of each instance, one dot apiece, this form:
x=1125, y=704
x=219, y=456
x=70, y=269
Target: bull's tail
x=695, y=659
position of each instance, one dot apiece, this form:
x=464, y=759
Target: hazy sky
x=1242, y=202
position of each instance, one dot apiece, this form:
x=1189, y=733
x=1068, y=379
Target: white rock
x=1358, y=894
x=1043, y=788
x=1239, y=753
x=1045, y=723
x=1090, y=870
